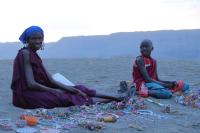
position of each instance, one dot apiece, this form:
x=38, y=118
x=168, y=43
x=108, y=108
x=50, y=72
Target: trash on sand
x=139, y=104
x=92, y=117
x=26, y=130
x=67, y=126
x=62, y=79
x=31, y=120
x=197, y=105
x=49, y=130
x=92, y=126
x=190, y=99
x=138, y=128
x=150, y=113
x=45, y=122
x=144, y=112
x=157, y=103
x=196, y=125
x=128, y=110
x=5, y=124
x=6, y=127
x=21, y=123
x=167, y=109
x=110, y=118
x=44, y=113
x=179, y=99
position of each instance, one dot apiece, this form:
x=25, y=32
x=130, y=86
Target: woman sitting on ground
x=32, y=85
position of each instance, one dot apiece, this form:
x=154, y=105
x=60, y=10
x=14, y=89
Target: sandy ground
x=105, y=75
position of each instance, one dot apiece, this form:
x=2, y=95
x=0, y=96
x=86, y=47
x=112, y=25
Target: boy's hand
x=174, y=84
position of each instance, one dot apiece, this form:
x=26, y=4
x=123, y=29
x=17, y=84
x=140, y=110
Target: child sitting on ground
x=146, y=79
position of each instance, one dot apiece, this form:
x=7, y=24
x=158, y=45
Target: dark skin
x=146, y=48
x=35, y=43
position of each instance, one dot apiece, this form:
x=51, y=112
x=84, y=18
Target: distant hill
x=178, y=44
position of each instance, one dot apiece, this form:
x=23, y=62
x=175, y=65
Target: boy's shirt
x=150, y=65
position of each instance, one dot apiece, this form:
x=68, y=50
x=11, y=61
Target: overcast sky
x=61, y=18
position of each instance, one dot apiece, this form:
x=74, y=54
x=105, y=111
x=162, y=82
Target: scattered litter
x=6, y=127
x=68, y=126
x=197, y=105
x=196, y=125
x=26, y=130
x=189, y=99
x=167, y=109
x=179, y=99
x=110, y=118
x=21, y=123
x=157, y=103
x=144, y=112
x=44, y=122
x=138, y=128
x=150, y=113
x=5, y=124
x=92, y=126
x=49, y=130
x=92, y=117
x=31, y=120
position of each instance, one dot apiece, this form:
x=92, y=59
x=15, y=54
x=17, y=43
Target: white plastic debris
x=60, y=78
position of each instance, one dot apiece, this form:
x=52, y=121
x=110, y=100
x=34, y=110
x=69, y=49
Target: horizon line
x=107, y=34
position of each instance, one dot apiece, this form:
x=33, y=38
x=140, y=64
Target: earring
x=25, y=44
x=42, y=47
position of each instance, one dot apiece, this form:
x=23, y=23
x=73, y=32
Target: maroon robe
x=27, y=98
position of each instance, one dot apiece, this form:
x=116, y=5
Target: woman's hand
x=57, y=91
x=79, y=92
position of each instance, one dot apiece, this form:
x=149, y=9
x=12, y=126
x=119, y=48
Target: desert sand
x=105, y=75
